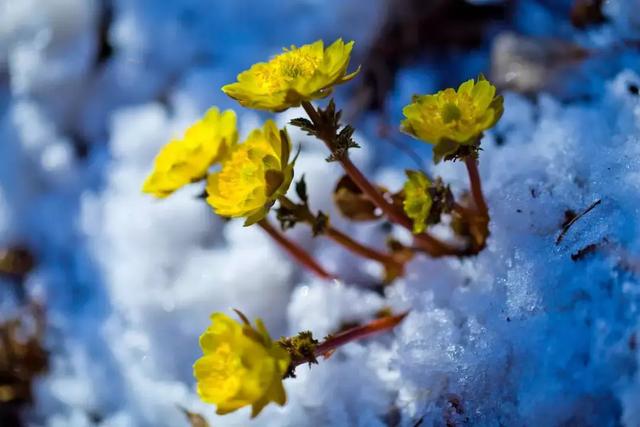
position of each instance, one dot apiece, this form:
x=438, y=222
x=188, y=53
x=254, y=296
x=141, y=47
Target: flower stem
x=295, y=250
x=305, y=215
x=476, y=186
x=360, y=249
x=357, y=333
x=374, y=195
x=425, y=241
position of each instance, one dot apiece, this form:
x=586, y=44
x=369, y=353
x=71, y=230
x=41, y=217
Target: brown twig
x=567, y=226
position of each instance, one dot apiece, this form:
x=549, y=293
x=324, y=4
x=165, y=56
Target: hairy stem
x=293, y=249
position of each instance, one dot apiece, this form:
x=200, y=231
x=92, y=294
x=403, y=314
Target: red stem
x=425, y=241
x=360, y=249
x=476, y=186
x=295, y=250
x=359, y=332
x=376, y=197
x=339, y=237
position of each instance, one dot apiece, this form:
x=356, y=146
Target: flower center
x=288, y=66
x=450, y=112
x=296, y=64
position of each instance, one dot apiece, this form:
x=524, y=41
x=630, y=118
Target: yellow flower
x=253, y=177
x=241, y=366
x=298, y=74
x=186, y=160
x=417, y=200
x=453, y=118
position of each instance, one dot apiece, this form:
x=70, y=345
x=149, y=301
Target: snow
x=522, y=334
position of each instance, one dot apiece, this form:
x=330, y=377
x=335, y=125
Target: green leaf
x=285, y=148
x=301, y=190
x=256, y=216
x=443, y=149
x=274, y=180
x=498, y=106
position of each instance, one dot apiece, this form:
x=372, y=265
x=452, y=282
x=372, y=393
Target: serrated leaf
x=326, y=126
x=329, y=118
x=305, y=125
x=343, y=144
x=346, y=132
x=332, y=158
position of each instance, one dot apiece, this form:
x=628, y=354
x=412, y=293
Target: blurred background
x=104, y=291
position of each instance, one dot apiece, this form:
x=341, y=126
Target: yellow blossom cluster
x=241, y=366
x=255, y=175
x=296, y=75
x=188, y=159
x=451, y=118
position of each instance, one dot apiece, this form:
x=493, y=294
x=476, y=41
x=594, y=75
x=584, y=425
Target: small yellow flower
x=241, y=366
x=452, y=118
x=253, y=177
x=298, y=74
x=417, y=200
x=186, y=160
